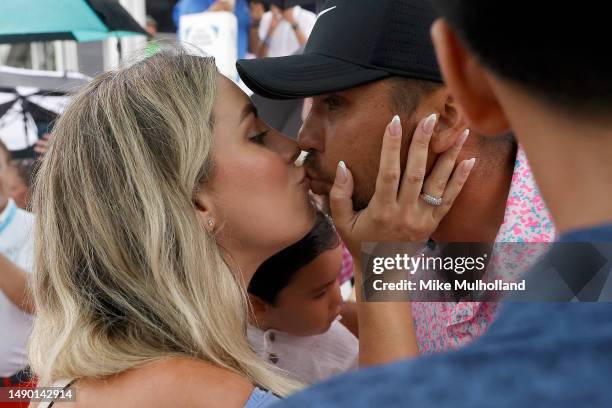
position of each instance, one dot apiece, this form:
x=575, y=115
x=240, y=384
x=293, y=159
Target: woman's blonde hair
x=125, y=274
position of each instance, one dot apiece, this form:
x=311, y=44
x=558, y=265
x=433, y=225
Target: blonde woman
x=161, y=194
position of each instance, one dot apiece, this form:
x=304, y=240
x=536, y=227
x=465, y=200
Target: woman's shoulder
x=170, y=382
x=203, y=382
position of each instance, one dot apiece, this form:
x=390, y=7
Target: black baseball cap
x=353, y=42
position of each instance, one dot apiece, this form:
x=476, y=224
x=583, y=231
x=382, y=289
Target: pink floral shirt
x=449, y=325
x=346, y=269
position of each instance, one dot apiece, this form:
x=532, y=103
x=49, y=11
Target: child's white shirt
x=310, y=359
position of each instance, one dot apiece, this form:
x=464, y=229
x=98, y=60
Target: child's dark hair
x=276, y=272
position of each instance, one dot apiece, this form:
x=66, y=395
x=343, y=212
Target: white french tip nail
x=469, y=165
x=342, y=175
x=395, y=129
x=463, y=137
x=430, y=123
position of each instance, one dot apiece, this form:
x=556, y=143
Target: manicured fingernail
x=469, y=165
x=341, y=172
x=430, y=123
x=396, y=127
x=463, y=137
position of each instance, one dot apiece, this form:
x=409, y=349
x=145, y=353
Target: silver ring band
x=431, y=200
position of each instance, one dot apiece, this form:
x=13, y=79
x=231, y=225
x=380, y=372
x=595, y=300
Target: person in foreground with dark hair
x=297, y=308
x=552, y=86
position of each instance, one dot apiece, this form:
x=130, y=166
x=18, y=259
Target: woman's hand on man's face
x=397, y=211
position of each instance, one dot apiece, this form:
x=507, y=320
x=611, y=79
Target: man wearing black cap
x=364, y=62
x=359, y=79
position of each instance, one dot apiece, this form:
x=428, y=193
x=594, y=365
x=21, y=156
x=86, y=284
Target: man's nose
x=310, y=136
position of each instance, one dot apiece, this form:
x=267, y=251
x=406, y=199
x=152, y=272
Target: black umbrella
x=30, y=101
x=29, y=111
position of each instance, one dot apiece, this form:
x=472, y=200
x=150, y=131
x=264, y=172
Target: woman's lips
x=305, y=182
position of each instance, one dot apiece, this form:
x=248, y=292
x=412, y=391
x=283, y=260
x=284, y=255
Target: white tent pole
x=5, y=49
x=129, y=45
x=111, y=59
x=37, y=53
x=66, y=56
x=59, y=56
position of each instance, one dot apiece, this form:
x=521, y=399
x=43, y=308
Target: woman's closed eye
x=259, y=138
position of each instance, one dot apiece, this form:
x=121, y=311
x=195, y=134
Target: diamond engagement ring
x=431, y=200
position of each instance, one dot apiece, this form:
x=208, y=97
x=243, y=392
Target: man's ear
x=468, y=82
x=451, y=121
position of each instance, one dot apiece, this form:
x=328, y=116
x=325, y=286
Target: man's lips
x=318, y=184
x=313, y=176
x=305, y=181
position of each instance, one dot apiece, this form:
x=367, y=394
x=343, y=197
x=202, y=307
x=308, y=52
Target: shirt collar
x=261, y=339
x=526, y=217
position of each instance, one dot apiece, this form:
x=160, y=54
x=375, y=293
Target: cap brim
x=301, y=76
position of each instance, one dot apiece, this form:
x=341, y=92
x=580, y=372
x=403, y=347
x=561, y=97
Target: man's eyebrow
x=248, y=109
x=320, y=288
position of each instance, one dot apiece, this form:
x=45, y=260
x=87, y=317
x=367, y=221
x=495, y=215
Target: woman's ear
x=468, y=82
x=204, y=206
x=451, y=122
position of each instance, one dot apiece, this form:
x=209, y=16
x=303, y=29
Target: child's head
x=296, y=291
